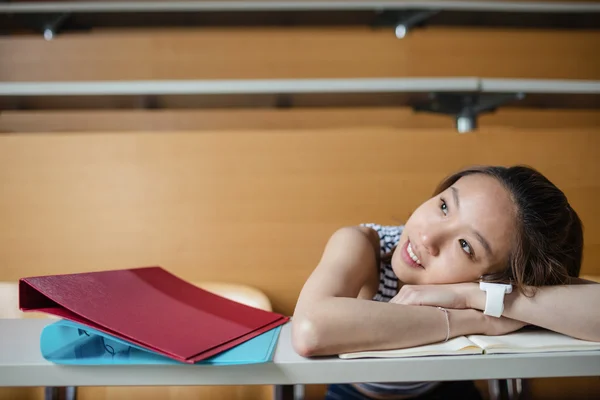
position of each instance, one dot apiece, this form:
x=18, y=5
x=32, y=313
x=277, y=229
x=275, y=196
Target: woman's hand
x=457, y=296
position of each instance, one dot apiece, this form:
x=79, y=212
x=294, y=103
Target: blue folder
x=67, y=342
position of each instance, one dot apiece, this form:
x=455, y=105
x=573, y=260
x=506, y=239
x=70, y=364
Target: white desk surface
x=21, y=364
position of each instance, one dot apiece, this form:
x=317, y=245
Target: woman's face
x=459, y=235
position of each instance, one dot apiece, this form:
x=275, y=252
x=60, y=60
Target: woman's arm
x=330, y=319
x=570, y=309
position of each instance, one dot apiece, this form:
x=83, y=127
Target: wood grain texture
x=253, y=206
x=251, y=196
x=301, y=53
x=255, y=392
x=565, y=388
x=177, y=392
x=248, y=206
x=273, y=119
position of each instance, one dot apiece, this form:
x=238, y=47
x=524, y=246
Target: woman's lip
x=406, y=257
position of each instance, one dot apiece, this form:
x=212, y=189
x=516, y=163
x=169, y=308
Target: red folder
x=149, y=307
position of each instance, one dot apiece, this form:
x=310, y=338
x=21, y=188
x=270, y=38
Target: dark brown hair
x=548, y=246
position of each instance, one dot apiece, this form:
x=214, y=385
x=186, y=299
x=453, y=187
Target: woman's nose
x=429, y=241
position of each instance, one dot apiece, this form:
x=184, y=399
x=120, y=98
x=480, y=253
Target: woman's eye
x=444, y=207
x=466, y=247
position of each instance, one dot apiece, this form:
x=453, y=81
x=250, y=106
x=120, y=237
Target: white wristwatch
x=494, y=300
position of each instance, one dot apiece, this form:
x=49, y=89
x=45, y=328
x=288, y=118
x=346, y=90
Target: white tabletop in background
x=239, y=86
x=316, y=5
x=550, y=86
x=298, y=86
x=21, y=364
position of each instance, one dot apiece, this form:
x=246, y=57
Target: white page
x=532, y=341
x=457, y=346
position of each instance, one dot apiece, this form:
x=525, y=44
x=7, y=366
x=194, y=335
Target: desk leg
x=60, y=393
x=52, y=393
x=517, y=389
x=494, y=389
x=284, y=392
x=509, y=389
x=70, y=393
x=499, y=389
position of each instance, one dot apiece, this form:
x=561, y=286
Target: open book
x=527, y=340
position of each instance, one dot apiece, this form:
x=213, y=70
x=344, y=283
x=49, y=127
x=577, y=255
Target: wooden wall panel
x=273, y=119
x=301, y=53
x=249, y=206
x=21, y=393
x=256, y=392
x=251, y=196
x=565, y=388
x=253, y=201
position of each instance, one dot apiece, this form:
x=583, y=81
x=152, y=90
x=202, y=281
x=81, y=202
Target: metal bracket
x=283, y=392
x=147, y=102
x=404, y=21
x=507, y=389
x=60, y=393
x=410, y=20
x=466, y=107
x=51, y=27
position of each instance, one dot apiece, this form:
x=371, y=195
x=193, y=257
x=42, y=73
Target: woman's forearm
x=339, y=325
x=569, y=309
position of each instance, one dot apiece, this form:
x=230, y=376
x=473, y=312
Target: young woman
x=380, y=287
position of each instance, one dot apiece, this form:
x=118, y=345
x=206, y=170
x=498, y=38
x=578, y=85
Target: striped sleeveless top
x=389, y=236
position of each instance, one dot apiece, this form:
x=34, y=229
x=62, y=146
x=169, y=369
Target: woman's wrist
x=466, y=322
x=475, y=297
